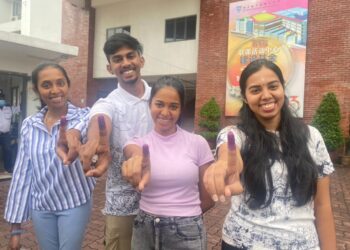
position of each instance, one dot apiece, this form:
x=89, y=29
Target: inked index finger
x=102, y=129
x=231, y=153
x=102, y=152
x=146, y=167
x=63, y=128
x=145, y=155
x=62, y=145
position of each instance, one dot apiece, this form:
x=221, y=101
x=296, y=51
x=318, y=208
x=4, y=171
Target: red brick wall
x=212, y=53
x=328, y=53
x=327, y=62
x=78, y=30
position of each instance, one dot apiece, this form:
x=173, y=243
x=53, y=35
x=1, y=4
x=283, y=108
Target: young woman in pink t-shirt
x=167, y=166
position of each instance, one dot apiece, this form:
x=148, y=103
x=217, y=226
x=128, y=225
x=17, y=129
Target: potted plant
x=209, y=122
x=327, y=121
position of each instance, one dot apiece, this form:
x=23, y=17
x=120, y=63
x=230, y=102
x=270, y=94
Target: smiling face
x=165, y=110
x=126, y=65
x=264, y=94
x=53, y=88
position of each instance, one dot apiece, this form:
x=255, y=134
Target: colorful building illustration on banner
x=271, y=29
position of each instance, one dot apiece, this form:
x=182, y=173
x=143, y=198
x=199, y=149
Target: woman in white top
x=284, y=169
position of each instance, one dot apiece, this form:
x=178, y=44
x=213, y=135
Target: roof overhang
x=98, y=3
x=23, y=47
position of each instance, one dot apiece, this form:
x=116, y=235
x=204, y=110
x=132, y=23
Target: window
x=112, y=31
x=180, y=29
x=16, y=10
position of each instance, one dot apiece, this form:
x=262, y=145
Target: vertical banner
x=271, y=29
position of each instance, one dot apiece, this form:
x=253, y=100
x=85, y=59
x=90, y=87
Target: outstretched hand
x=68, y=143
x=137, y=169
x=95, y=165
x=221, y=179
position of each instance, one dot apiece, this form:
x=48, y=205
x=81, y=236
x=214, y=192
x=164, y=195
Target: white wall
x=33, y=102
x=11, y=26
x=6, y=22
x=5, y=11
x=42, y=19
x=147, y=21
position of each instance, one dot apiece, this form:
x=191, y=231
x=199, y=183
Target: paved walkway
x=340, y=191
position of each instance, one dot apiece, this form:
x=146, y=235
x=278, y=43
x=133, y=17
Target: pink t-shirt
x=175, y=161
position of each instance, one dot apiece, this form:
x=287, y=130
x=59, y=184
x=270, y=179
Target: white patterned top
x=281, y=225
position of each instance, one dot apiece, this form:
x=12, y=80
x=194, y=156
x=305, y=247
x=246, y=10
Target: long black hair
x=263, y=148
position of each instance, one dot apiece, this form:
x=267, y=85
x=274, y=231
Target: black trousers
x=5, y=142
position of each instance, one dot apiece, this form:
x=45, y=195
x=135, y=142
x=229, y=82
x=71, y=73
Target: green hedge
x=327, y=119
x=210, y=114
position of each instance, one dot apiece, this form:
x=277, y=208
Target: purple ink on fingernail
x=145, y=150
x=231, y=141
x=63, y=121
x=101, y=122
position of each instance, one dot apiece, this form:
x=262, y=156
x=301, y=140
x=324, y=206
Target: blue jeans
x=5, y=143
x=168, y=233
x=61, y=230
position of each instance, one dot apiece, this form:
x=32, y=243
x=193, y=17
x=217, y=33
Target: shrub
x=327, y=119
x=210, y=114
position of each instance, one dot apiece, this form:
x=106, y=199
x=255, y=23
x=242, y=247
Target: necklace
x=49, y=121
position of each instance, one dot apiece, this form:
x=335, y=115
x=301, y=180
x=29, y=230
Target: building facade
x=327, y=58
x=184, y=38
x=168, y=31
x=33, y=31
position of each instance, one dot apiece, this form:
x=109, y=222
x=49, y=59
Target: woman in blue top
x=58, y=198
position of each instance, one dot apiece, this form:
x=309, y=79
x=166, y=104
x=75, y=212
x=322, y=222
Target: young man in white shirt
x=126, y=114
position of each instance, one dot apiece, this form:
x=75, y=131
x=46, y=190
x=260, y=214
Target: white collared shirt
x=5, y=119
x=130, y=118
